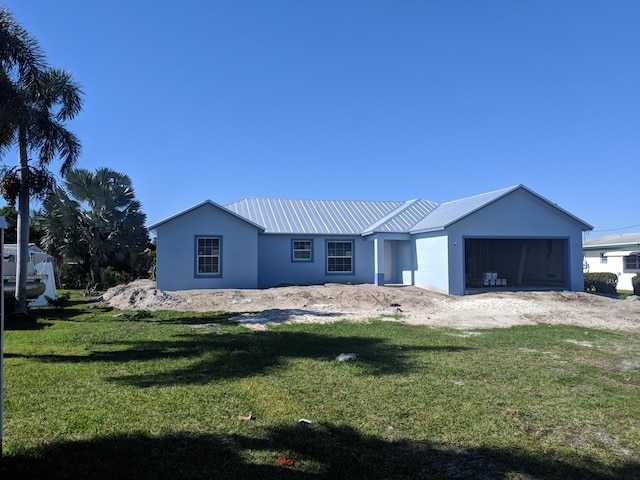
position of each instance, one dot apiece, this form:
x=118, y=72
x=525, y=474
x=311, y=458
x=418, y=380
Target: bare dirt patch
x=413, y=305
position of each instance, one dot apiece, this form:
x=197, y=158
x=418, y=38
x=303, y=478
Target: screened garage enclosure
x=515, y=263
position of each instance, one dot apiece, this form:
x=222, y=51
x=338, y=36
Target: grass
x=623, y=294
x=93, y=394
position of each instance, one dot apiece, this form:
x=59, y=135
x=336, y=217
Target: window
x=603, y=259
x=340, y=257
x=208, y=256
x=632, y=262
x=302, y=251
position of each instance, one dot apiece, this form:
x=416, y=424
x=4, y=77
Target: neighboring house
x=619, y=254
x=511, y=237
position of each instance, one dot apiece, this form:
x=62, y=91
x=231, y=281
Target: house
x=619, y=254
x=509, y=238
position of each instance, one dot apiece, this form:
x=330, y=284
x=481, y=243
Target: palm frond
x=19, y=50
x=55, y=140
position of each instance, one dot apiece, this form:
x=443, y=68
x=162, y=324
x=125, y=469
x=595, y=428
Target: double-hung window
x=302, y=251
x=339, y=257
x=208, y=255
x=632, y=262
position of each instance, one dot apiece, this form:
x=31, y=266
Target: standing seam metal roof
x=449, y=212
x=328, y=217
x=353, y=217
x=404, y=217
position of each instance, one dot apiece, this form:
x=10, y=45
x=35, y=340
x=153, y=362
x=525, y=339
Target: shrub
x=635, y=281
x=601, y=282
x=59, y=303
x=111, y=277
x=72, y=275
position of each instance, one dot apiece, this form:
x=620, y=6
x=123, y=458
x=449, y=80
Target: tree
x=11, y=233
x=11, y=216
x=37, y=101
x=20, y=57
x=95, y=219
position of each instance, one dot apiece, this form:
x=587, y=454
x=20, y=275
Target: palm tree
x=21, y=57
x=95, y=219
x=37, y=101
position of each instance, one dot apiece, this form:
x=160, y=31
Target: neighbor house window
x=302, y=251
x=603, y=259
x=340, y=257
x=208, y=255
x=632, y=262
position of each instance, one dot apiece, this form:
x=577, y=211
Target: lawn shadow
x=318, y=451
x=12, y=323
x=245, y=353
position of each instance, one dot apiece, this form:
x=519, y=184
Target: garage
x=515, y=263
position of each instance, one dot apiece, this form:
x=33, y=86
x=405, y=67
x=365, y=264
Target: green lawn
x=95, y=396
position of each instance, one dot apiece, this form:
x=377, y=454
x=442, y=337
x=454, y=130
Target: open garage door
x=515, y=263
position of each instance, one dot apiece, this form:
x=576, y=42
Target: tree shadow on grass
x=19, y=324
x=318, y=451
x=166, y=317
x=217, y=356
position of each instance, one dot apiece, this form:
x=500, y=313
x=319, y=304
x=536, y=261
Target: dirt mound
x=414, y=305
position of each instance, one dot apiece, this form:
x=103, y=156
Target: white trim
x=621, y=253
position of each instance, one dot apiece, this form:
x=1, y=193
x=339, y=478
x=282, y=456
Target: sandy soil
x=414, y=305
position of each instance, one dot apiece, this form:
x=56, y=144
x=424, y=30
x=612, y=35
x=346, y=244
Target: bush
x=601, y=282
x=111, y=277
x=72, y=275
x=59, y=303
x=635, y=281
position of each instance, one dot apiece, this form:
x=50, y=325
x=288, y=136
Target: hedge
x=601, y=282
x=635, y=281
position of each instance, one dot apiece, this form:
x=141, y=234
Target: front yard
x=92, y=393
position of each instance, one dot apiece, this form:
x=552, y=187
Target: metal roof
x=450, y=212
x=327, y=217
x=355, y=217
x=447, y=213
x=404, y=217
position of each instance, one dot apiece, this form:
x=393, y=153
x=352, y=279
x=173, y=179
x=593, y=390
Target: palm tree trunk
x=23, y=230
x=94, y=270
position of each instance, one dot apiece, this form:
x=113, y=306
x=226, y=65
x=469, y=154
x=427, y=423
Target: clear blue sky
x=356, y=99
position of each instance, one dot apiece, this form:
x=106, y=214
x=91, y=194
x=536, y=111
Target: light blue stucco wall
x=518, y=215
x=276, y=266
x=176, y=250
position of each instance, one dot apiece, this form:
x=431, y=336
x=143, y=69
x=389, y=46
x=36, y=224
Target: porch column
x=378, y=249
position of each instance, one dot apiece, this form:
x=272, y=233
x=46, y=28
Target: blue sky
x=355, y=99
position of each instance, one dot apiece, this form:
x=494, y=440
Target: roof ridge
x=317, y=200
x=390, y=215
x=399, y=211
x=493, y=192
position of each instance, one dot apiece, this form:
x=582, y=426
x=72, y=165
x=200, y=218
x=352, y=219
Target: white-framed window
x=603, y=259
x=301, y=250
x=339, y=257
x=632, y=262
x=208, y=255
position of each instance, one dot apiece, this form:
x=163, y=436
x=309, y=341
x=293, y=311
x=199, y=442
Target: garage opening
x=515, y=263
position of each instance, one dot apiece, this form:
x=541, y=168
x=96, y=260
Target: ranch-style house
x=511, y=238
